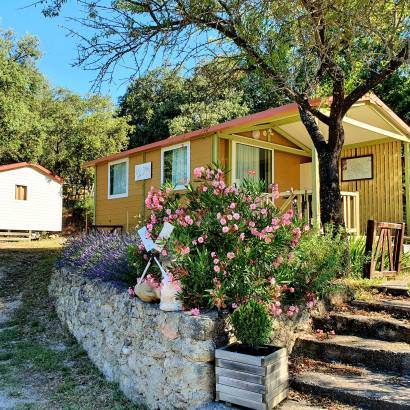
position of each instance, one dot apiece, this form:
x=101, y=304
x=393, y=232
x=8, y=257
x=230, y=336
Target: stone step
x=375, y=354
x=368, y=390
x=396, y=307
x=374, y=327
x=394, y=287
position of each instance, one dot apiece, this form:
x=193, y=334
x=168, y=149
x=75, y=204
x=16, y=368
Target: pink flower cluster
x=154, y=199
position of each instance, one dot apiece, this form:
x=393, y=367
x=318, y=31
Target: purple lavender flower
x=99, y=255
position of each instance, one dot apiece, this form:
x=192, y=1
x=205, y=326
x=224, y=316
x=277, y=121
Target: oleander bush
x=229, y=245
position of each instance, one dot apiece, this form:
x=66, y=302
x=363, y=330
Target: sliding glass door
x=253, y=163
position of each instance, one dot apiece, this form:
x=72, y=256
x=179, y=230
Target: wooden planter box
x=255, y=382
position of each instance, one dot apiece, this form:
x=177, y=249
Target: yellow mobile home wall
x=127, y=211
x=381, y=198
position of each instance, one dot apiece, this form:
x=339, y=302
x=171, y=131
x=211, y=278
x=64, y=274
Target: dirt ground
x=41, y=365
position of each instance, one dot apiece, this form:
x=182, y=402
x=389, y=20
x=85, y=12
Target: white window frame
x=124, y=195
x=234, y=143
x=188, y=159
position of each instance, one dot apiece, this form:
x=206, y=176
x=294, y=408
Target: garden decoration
x=147, y=291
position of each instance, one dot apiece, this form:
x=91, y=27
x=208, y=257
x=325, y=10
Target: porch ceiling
x=365, y=122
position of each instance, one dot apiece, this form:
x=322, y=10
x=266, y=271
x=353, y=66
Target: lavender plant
x=100, y=255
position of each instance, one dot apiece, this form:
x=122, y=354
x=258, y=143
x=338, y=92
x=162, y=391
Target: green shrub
x=358, y=257
x=252, y=324
x=319, y=259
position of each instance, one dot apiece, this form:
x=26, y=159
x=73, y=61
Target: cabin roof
x=368, y=120
x=37, y=167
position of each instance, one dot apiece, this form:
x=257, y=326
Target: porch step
x=376, y=327
x=374, y=354
x=394, y=287
x=369, y=390
x=396, y=307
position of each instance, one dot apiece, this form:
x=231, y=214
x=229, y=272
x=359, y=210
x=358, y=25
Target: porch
x=276, y=147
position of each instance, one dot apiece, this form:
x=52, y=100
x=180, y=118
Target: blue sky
x=59, y=50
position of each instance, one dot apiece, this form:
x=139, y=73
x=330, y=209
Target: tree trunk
x=330, y=199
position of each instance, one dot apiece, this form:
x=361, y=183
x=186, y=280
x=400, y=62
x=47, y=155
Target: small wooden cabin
x=30, y=198
x=275, y=144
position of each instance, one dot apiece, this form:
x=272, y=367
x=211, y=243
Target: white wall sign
x=143, y=171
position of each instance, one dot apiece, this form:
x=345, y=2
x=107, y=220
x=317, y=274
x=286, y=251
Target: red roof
x=286, y=109
x=37, y=167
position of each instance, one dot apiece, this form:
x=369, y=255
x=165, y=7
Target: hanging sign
x=143, y=171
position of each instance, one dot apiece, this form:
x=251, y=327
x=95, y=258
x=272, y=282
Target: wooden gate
x=382, y=236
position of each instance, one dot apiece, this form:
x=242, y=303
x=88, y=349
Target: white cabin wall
x=42, y=211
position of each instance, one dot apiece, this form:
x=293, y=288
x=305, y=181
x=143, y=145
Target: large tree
x=163, y=102
x=54, y=127
x=302, y=47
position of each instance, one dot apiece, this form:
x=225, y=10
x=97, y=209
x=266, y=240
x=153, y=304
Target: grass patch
x=37, y=352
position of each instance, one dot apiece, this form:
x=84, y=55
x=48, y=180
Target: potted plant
x=252, y=373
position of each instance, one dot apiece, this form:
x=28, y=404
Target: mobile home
x=275, y=144
x=30, y=198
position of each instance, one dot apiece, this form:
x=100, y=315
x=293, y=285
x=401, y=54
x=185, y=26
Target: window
x=253, y=163
x=175, y=165
x=21, y=193
x=118, y=179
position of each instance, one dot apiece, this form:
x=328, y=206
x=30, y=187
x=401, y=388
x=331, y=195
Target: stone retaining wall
x=162, y=359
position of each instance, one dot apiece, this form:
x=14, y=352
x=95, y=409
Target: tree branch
x=376, y=78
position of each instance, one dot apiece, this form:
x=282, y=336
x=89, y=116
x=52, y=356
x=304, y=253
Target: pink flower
x=168, y=212
x=230, y=255
x=252, y=224
x=234, y=305
x=236, y=216
x=232, y=205
x=198, y=172
x=131, y=292
x=264, y=211
x=242, y=236
x=185, y=250
x=272, y=281
x=194, y=242
x=306, y=228
x=213, y=254
x=195, y=312
x=229, y=217
x=291, y=290
x=310, y=304
x=150, y=227
x=201, y=239
x=164, y=252
x=204, y=188
x=188, y=220
x=222, y=221
x=252, y=206
x=225, y=229
x=217, y=269
x=216, y=261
